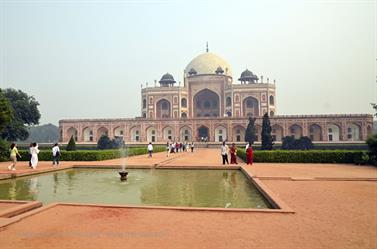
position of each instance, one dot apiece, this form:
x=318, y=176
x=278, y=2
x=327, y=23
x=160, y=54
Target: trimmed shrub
x=71, y=144
x=306, y=156
x=90, y=155
x=105, y=143
x=303, y=143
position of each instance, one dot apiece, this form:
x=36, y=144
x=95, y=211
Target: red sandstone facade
x=210, y=105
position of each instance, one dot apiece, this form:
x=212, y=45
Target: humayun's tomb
x=212, y=105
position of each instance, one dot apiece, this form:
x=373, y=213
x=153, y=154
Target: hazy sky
x=87, y=59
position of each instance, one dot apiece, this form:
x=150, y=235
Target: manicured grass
x=90, y=155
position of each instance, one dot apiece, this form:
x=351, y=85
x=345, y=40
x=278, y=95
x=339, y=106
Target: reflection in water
x=164, y=187
x=33, y=185
x=12, y=190
x=56, y=182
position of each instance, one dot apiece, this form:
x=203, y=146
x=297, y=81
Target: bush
x=90, y=155
x=71, y=144
x=307, y=156
x=104, y=143
x=303, y=143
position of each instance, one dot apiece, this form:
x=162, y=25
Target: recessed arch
x=272, y=100
x=168, y=133
x=72, y=132
x=163, y=109
x=151, y=134
x=277, y=132
x=87, y=134
x=295, y=130
x=135, y=135
x=203, y=133
x=118, y=132
x=315, y=132
x=228, y=101
x=206, y=104
x=353, y=132
x=102, y=131
x=220, y=133
x=250, y=106
x=238, y=133
x=185, y=133
x=184, y=102
x=333, y=132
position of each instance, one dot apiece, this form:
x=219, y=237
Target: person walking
x=224, y=153
x=233, y=154
x=192, y=146
x=249, y=154
x=150, y=149
x=55, y=154
x=13, y=156
x=168, y=149
x=34, y=156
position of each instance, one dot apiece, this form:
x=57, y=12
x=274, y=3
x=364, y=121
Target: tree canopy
x=6, y=111
x=25, y=112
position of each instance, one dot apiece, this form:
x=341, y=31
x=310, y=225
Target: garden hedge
x=89, y=155
x=308, y=156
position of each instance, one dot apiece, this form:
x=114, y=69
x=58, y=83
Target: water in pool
x=155, y=187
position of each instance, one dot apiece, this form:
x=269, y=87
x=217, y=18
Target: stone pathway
x=335, y=207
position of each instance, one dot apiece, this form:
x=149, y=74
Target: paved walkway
x=335, y=207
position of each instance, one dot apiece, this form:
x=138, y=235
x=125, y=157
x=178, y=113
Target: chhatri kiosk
x=212, y=104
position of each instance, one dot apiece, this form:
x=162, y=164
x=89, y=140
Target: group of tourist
x=176, y=147
x=33, y=155
x=233, y=153
x=173, y=147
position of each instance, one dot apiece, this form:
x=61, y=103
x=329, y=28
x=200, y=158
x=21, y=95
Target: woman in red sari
x=233, y=154
x=249, y=155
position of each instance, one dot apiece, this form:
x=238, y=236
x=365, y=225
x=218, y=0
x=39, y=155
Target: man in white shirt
x=150, y=149
x=224, y=153
x=55, y=154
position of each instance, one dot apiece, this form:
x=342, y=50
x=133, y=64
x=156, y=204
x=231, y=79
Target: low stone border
x=19, y=209
x=271, y=197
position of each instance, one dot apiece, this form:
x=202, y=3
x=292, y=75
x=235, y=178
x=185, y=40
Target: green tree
x=250, y=135
x=372, y=145
x=266, y=133
x=71, y=146
x=6, y=113
x=374, y=105
x=6, y=116
x=25, y=112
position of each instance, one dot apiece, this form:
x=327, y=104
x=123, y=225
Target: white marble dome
x=208, y=63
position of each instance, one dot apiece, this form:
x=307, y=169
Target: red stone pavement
x=338, y=212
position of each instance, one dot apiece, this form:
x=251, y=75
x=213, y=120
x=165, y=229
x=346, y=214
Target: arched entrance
x=333, y=133
x=220, y=134
x=203, y=133
x=315, y=132
x=238, y=133
x=206, y=104
x=163, y=109
x=250, y=107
